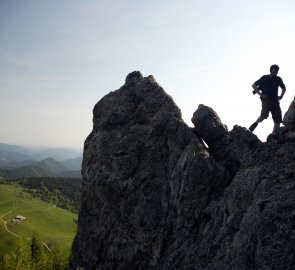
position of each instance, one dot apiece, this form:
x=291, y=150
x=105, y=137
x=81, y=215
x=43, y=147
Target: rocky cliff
x=158, y=194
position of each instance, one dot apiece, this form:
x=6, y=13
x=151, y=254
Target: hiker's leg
x=260, y=119
x=276, y=128
x=264, y=111
x=276, y=113
x=263, y=115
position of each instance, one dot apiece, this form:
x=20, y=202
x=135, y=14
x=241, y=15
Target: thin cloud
x=184, y=74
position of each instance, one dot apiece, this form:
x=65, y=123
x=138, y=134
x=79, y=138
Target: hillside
x=47, y=167
x=27, y=171
x=63, y=192
x=73, y=163
x=51, y=165
x=47, y=221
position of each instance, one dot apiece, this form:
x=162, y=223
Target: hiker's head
x=274, y=69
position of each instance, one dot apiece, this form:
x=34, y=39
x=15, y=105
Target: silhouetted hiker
x=267, y=88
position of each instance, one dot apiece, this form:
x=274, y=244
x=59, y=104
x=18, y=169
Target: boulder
x=208, y=124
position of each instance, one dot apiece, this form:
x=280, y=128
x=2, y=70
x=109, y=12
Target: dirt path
x=9, y=231
x=5, y=226
x=47, y=247
x=14, y=234
x=4, y=215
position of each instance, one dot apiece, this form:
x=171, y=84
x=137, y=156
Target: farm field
x=44, y=220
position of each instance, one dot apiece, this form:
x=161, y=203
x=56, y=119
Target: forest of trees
x=33, y=255
x=63, y=192
x=2, y=181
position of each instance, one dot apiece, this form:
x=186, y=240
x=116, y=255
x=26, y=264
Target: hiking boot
x=253, y=126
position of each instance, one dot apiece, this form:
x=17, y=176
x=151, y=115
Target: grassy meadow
x=48, y=222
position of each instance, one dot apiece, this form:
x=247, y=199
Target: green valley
x=50, y=223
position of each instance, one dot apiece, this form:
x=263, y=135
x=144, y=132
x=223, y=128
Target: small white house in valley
x=19, y=218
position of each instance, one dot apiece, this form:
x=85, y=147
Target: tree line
x=32, y=255
x=63, y=192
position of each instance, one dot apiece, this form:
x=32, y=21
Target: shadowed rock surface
x=287, y=133
x=289, y=117
x=155, y=196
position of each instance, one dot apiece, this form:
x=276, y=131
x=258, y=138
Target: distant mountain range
x=17, y=161
x=16, y=152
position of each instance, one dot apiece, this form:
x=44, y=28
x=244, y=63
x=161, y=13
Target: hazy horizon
x=59, y=58
x=44, y=147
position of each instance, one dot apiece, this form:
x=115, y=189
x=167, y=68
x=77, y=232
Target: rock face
x=288, y=133
x=289, y=117
x=155, y=196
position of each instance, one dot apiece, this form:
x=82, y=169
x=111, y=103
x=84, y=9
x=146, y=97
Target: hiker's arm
x=256, y=90
x=283, y=92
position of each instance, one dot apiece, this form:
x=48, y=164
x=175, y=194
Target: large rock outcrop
x=155, y=196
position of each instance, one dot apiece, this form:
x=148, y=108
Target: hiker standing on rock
x=267, y=88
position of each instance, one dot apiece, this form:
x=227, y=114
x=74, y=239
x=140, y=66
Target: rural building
x=19, y=218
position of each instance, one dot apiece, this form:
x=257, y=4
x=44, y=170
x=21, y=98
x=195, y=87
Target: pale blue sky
x=59, y=57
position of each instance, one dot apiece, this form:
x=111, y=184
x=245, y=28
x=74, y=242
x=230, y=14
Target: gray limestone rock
x=154, y=196
x=288, y=134
x=208, y=124
x=289, y=117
